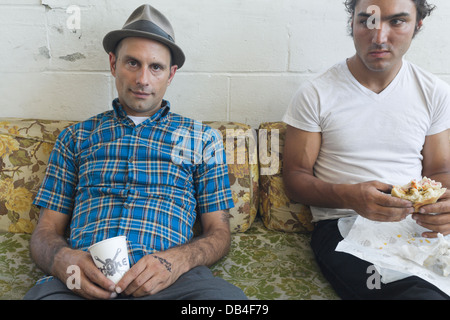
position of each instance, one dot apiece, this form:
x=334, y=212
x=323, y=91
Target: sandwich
x=420, y=193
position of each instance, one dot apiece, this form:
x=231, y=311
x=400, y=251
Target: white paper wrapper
x=398, y=250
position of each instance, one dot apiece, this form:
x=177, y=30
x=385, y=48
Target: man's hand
x=436, y=166
x=93, y=283
x=148, y=276
x=373, y=201
x=50, y=251
x=157, y=271
x=435, y=217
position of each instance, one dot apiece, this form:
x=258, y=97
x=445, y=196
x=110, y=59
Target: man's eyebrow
x=128, y=57
x=364, y=14
x=393, y=16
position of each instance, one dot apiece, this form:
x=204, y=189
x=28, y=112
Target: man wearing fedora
x=116, y=174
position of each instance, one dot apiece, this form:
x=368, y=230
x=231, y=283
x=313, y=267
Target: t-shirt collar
x=160, y=115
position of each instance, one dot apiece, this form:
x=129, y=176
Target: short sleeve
x=440, y=108
x=303, y=110
x=211, y=180
x=58, y=188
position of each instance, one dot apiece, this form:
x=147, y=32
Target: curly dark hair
x=424, y=9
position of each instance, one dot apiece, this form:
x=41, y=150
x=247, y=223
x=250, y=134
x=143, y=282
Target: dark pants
x=349, y=275
x=197, y=284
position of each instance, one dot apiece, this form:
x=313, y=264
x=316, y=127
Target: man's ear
x=419, y=25
x=351, y=25
x=112, y=63
x=173, y=70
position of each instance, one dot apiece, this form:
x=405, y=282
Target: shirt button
x=131, y=159
x=126, y=206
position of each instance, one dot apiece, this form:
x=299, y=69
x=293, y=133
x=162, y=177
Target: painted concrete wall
x=245, y=58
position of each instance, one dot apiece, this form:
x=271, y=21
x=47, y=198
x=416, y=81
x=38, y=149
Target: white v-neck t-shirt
x=368, y=136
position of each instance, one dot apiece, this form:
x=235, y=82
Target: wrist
x=343, y=193
x=61, y=260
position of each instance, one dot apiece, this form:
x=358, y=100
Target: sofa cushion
x=273, y=265
x=25, y=146
x=240, y=145
x=265, y=264
x=277, y=211
x=17, y=271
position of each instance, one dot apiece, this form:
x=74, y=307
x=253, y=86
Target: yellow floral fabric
x=25, y=145
x=277, y=211
x=241, y=152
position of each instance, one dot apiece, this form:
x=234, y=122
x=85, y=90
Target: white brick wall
x=245, y=58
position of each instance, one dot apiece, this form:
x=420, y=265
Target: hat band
x=148, y=26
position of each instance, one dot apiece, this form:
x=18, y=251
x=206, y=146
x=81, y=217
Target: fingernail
x=113, y=295
x=118, y=290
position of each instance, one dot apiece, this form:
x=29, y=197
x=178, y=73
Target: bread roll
x=420, y=193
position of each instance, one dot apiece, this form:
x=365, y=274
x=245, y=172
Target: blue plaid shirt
x=147, y=182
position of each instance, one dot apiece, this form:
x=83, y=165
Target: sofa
x=270, y=256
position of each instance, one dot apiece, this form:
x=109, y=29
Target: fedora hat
x=146, y=22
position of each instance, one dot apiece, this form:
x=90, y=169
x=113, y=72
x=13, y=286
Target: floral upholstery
x=17, y=271
x=240, y=146
x=265, y=263
x=273, y=265
x=277, y=211
x=25, y=146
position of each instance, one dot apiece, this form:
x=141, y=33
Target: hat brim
x=111, y=40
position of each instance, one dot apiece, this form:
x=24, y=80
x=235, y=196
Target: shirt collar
x=160, y=115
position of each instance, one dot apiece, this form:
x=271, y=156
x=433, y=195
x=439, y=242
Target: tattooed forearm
x=164, y=262
x=202, y=250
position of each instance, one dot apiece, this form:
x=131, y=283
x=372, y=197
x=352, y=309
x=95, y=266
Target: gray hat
x=146, y=22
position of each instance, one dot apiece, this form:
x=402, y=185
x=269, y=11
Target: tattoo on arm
x=226, y=216
x=164, y=262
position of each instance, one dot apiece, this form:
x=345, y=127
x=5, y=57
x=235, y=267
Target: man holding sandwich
x=368, y=123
